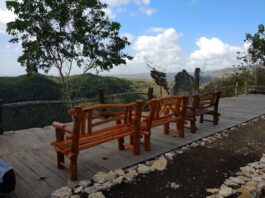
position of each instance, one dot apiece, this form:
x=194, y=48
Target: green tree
x=255, y=55
x=256, y=51
x=64, y=34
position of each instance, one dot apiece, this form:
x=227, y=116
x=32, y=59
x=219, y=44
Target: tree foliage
x=65, y=33
x=256, y=52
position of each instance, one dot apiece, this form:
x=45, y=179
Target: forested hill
x=42, y=87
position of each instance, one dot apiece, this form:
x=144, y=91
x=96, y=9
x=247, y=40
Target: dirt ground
x=199, y=168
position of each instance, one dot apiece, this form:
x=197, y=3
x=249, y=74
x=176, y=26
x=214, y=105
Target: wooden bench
x=168, y=109
x=202, y=105
x=89, y=129
x=209, y=104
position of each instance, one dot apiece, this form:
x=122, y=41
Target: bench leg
x=120, y=142
x=193, y=127
x=73, y=168
x=166, y=128
x=136, y=145
x=180, y=126
x=215, y=118
x=201, y=118
x=131, y=140
x=60, y=156
x=147, y=143
x=60, y=160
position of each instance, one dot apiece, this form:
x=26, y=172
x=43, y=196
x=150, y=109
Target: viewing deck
x=34, y=160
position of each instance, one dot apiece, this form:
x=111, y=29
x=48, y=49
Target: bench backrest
x=88, y=120
x=171, y=106
x=213, y=97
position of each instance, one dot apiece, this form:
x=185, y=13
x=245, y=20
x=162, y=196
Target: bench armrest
x=65, y=127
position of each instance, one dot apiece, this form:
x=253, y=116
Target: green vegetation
x=256, y=52
x=60, y=34
x=227, y=83
x=28, y=88
x=41, y=87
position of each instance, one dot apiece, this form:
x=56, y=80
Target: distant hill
x=206, y=76
x=43, y=87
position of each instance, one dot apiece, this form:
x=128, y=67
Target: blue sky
x=173, y=34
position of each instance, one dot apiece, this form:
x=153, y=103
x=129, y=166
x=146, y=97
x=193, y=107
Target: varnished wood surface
x=34, y=160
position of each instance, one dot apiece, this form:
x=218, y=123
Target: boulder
x=184, y=84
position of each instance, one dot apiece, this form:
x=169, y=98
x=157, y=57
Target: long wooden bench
x=168, y=109
x=89, y=129
x=201, y=105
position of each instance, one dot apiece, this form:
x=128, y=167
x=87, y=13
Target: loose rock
x=96, y=195
x=119, y=172
x=130, y=175
x=85, y=183
x=225, y=191
x=212, y=190
x=173, y=185
x=170, y=155
x=78, y=189
x=90, y=190
x=143, y=169
x=160, y=164
x=63, y=192
x=102, y=177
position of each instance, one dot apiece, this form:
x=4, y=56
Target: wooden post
x=197, y=80
x=1, y=117
x=150, y=93
x=236, y=89
x=246, y=88
x=101, y=98
x=161, y=91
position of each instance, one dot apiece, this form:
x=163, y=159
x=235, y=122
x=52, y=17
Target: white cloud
x=119, y=6
x=2, y=28
x=147, y=10
x=109, y=13
x=146, y=1
x=161, y=49
x=156, y=30
x=6, y=16
x=129, y=36
x=214, y=54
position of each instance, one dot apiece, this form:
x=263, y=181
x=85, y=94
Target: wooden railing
x=100, y=99
x=247, y=88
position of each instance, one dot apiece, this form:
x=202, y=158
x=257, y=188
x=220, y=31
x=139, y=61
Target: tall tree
x=256, y=51
x=65, y=33
x=255, y=55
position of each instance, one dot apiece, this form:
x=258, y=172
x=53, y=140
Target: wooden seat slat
x=86, y=138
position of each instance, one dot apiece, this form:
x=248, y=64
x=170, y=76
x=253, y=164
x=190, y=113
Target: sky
x=172, y=34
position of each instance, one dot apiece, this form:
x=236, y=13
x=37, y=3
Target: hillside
x=42, y=87
x=206, y=76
